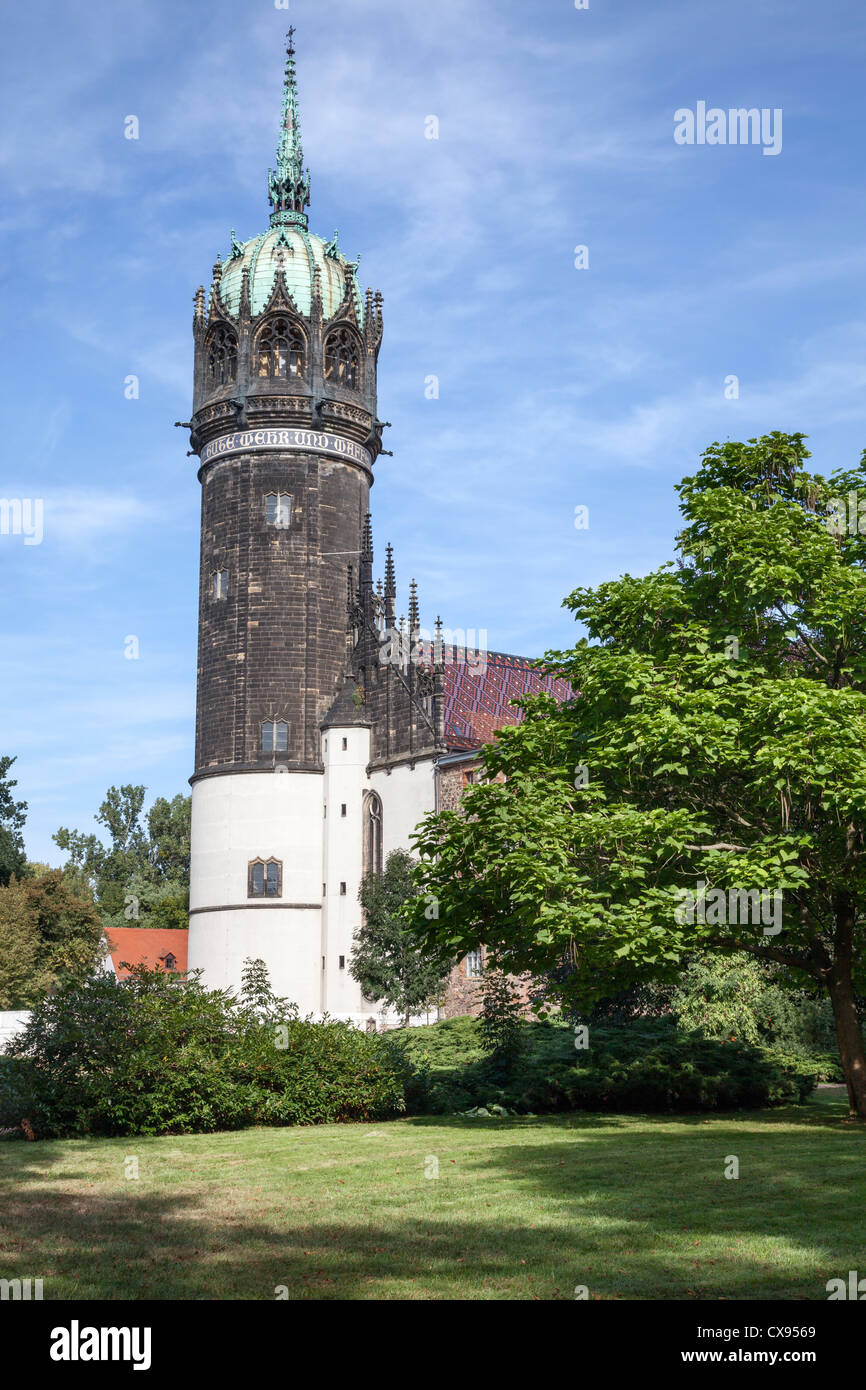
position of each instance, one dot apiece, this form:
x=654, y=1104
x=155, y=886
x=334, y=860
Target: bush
x=749, y=999
x=153, y=1055
x=501, y=1026
x=647, y=1065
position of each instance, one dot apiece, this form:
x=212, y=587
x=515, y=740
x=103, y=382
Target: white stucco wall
x=345, y=783
x=408, y=794
x=12, y=1021
x=244, y=816
x=238, y=818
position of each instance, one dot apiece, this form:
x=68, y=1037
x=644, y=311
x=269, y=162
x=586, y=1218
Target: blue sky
x=559, y=386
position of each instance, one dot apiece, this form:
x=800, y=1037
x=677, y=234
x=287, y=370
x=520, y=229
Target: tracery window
x=278, y=510
x=342, y=360
x=222, y=357
x=372, y=846
x=265, y=879
x=275, y=736
x=280, y=349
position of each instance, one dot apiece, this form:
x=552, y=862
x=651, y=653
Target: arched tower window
x=372, y=848
x=265, y=878
x=222, y=357
x=280, y=349
x=342, y=360
x=275, y=736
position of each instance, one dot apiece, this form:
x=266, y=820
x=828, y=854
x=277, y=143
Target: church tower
x=285, y=426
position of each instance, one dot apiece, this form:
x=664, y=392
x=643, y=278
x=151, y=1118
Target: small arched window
x=275, y=736
x=342, y=360
x=222, y=357
x=372, y=834
x=280, y=349
x=265, y=879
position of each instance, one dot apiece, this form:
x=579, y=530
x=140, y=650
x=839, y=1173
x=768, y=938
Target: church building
x=327, y=726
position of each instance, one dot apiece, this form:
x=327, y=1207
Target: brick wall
x=462, y=994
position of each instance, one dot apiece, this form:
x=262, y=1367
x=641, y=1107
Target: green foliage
x=13, y=814
x=645, y=1065
x=21, y=975
x=141, y=877
x=388, y=962
x=150, y=1055
x=47, y=930
x=739, y=996
x=721, y=723
x=501, y=1025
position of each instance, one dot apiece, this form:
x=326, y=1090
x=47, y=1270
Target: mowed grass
x=630, y=1206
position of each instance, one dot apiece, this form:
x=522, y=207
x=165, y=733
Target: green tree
x=48, y=931
x=142, y=875
x=21, y=978
x=388, y=962
x=13, y=813
x=168, y=832
x=715, y=746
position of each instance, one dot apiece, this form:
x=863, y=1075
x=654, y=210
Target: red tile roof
x=479, y=687
x=146, y=946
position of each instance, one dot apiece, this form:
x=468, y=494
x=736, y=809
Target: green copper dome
x=298, y=253
x=289, y=245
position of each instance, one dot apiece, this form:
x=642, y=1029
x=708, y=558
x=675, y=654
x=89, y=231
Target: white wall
x=235, y=819
x=12, y=1021
x=345, y=784
x=408, y=794
x=245, y=816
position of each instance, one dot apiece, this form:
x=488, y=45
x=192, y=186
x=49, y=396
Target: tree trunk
x=850, y=1038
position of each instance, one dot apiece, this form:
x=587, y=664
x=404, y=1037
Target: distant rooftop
x=158, y=947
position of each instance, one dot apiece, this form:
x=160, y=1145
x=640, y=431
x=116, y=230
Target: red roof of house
x=478, y=688
x=146, y=946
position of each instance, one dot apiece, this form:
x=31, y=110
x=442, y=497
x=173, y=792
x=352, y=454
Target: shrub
x=501, y=1026
x=647, y=1065
x=153, y=1055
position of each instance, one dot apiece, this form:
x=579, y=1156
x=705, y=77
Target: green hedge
x=647, y=1066
x=151, y=1056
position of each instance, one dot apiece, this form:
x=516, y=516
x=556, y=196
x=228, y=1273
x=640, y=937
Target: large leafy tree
x=142, y=874
x=48, y=931
x=716, y=742
x=13, y=859
x=387, y=961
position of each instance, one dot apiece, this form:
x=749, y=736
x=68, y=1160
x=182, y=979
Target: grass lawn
x=631, y=1206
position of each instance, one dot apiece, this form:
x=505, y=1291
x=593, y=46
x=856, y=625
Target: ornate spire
x=289, y=183
x=390, y=586
x=414, y=612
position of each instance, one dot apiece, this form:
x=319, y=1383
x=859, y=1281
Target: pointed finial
x=390, y=576
x=367, y=542
x=289, y=183
x=414, y=612
x=390, y=586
